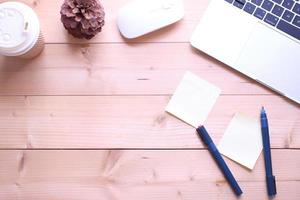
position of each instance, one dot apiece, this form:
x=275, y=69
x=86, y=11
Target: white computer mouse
x=140, y=17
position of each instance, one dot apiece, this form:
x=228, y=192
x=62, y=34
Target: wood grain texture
x=129, y=121
x=136, y=175
x=110, y=93
x=106, y=69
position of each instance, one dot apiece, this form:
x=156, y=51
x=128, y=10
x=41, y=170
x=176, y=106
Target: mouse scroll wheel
x=167, y=5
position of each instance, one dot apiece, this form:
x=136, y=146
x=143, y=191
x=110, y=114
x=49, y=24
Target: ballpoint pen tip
x=263, y=109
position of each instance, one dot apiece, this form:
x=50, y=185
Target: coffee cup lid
x=19, y=28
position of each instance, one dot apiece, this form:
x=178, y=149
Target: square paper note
x=193, y=100
x=242, y=141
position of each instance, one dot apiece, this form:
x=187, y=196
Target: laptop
x=259, y=38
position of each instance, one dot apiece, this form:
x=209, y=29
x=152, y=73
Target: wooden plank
x=116, y=69
x=137, y=175
x=54, y=31
x=130, y=121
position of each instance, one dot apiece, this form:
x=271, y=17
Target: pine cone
x=82, y=18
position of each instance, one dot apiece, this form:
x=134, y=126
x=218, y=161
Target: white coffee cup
x=20, y=34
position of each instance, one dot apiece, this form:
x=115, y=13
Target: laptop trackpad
x=272, y=59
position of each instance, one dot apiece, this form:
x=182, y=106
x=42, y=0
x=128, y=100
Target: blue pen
x=218, y=158
x=270, y=178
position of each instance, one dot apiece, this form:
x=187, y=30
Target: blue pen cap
x=204, y=135
x=271, y=185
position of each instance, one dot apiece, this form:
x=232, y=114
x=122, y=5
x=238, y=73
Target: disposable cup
x=20, y=34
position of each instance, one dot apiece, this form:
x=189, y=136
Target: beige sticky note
x=242, y=141
x=193, y=100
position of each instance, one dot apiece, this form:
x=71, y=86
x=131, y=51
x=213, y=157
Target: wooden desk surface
x=86, y=120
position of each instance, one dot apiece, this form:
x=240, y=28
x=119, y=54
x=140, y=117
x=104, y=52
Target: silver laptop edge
x=250, y=46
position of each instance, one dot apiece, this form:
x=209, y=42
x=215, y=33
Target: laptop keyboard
x=282, y=14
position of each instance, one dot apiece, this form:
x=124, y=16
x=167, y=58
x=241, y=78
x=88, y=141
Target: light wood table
x=85, y=120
